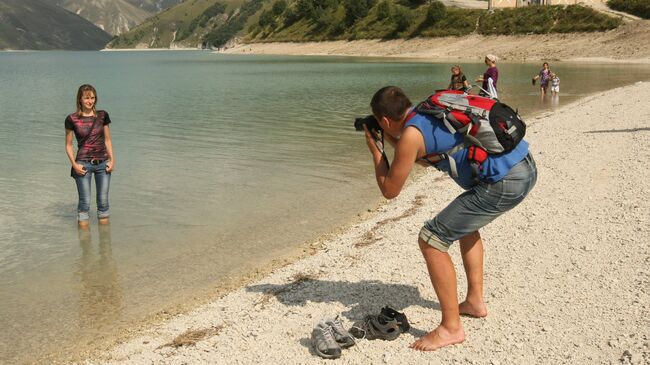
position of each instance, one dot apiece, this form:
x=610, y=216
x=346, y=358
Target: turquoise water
x=224, y=164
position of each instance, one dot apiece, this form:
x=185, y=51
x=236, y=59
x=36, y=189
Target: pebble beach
x=567, y=272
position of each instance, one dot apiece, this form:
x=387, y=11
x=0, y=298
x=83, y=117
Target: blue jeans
x=480, y=205
x=102, y=182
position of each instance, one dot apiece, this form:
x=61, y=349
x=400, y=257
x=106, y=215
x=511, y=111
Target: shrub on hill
x=318, y=20
x=640, y=8
x=546, y=19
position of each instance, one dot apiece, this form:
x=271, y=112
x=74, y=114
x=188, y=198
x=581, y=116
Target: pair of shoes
x=329, y=337
x=387, y=325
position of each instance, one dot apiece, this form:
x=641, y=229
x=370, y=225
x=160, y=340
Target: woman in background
x=490, y=77
x=544, y=76
x=94, y=153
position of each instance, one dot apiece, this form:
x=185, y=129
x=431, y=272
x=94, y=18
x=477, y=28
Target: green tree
x=401, y=19
x=383, y=10
x=414, y=3
x=267, y=19
x=435, y=12
x=305, y=9
x=356, y=9
x=278, y=8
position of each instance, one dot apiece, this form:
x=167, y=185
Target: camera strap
x=380, y=146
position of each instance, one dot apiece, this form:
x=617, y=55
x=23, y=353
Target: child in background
x=555, y=84
x=458, y=80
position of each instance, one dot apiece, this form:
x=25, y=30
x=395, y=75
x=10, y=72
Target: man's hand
x=373, y=141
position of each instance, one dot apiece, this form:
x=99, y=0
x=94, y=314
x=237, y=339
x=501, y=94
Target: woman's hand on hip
x=79, y=169
x=110, y=166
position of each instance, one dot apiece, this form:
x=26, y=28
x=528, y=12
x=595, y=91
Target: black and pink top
x=90, y=140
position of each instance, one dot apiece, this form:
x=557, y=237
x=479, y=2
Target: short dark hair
x=391, y=102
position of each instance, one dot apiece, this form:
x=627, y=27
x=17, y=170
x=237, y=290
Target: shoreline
x=620, y=45
x=352, y=260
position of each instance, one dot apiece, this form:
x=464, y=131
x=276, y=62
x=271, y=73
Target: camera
x=369, y=121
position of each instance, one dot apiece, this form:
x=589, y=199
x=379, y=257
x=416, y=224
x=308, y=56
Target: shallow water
x=224, y=164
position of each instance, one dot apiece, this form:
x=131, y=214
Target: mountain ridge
x=39, y=25
x=115, y=16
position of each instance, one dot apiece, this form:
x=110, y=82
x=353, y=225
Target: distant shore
x=566, y=272
x=147, y=49
x=622, y=45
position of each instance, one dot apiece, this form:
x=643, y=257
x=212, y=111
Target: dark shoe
x=376, y=327
x=322, y=339
x=400, y=317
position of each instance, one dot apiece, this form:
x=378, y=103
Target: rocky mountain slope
x=41, y=25
x=189, y=24
x=115, y=16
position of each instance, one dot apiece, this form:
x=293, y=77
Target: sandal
x=387, y=325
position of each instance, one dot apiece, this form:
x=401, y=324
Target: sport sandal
x=400, y=317
x=376, y=327
x=323, y=342
x=341, y=335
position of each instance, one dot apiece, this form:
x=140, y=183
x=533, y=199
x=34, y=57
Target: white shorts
x=555, y=89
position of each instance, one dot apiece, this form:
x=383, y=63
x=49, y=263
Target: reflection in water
x=100, y=296
x=555, y=101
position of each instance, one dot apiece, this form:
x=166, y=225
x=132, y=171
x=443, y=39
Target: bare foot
x=103, y=221
x=473, y=310
x=438, y=338
x=83, y=224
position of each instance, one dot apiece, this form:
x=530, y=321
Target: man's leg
x=471, y=248
x=443, y=278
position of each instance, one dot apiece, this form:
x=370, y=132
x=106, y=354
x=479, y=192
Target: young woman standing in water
x=94, y=153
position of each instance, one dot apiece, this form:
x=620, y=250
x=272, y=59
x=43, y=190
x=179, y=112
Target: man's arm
x=391, y=181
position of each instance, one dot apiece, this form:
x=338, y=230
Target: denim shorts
x=480, y=205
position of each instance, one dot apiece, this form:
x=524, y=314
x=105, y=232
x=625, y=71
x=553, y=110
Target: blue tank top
x=438, y=139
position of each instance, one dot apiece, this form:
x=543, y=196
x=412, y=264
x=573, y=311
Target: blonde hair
x=80, y=93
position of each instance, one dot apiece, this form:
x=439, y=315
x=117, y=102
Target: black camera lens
x=368, y=121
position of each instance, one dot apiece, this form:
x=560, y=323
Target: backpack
x=488, y=126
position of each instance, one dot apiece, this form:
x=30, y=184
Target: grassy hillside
x=301, y=20
x=214, y=22
x=38, y=25
x=184, y=25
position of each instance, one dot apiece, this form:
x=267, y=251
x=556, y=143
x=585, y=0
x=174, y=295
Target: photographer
x=504, y=180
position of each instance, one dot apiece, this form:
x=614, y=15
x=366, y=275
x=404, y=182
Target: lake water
x=224, y=164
